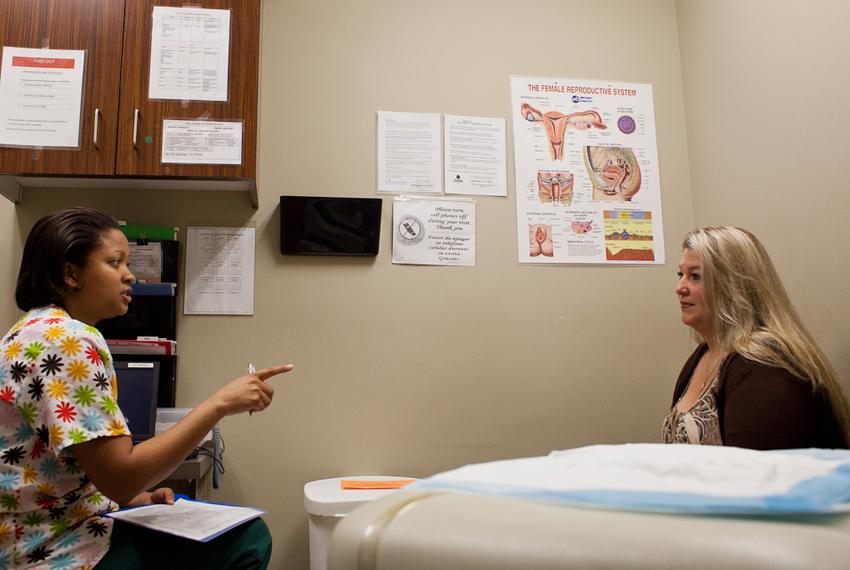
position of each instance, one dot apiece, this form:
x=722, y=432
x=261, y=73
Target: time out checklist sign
x=40, y=97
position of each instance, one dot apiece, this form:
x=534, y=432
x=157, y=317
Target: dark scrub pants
x=246, y=547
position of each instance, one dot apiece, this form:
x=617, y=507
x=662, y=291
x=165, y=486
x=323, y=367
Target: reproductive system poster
x=587, y=180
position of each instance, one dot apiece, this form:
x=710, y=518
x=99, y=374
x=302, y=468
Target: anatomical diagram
x=613, y=171
x=556, y=124
x=581, y=227
x=540, y=240
x=628, y=235
x=555, y=186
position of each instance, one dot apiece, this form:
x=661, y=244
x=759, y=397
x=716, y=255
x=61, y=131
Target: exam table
x=454, y=531
x=629, y=506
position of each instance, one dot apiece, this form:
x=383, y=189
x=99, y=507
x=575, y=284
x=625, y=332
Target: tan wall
x=10, y=248
x=412, y=370
x=767, y=85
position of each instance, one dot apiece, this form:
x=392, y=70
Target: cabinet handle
x=136, y=129
x=96, y=127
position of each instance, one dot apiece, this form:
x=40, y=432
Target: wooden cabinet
x=127, y=145
x=92, y=25
x=144, y=157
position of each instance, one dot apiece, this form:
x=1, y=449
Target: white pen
x=251, y=370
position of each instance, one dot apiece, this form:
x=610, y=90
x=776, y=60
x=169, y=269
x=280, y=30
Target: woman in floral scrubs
x=66, y=456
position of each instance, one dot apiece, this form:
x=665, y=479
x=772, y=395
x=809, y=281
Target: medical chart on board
x=409, y=152
x=40, y=97
x=219, y=271
x=587, y=180
x=190, y=54
x=433, y=232
x=201, y=142
x=475, y=156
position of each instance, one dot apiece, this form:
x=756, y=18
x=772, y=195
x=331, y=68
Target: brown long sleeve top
x=762, y=407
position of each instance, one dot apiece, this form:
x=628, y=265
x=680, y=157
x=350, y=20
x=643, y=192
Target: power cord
x=216, y=454
x=218, y=450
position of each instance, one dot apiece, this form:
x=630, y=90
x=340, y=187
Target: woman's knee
x=254, y=544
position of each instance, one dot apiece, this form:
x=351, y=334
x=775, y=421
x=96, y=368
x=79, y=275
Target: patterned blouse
x=57, y=388
x=699, y=425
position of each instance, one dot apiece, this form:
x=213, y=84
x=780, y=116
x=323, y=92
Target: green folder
x=152, y=233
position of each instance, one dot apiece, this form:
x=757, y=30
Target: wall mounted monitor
x=313, y=225
x=138, y=384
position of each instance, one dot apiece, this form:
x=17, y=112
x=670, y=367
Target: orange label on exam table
x=375, y=484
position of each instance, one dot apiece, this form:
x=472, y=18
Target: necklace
x=710, y=374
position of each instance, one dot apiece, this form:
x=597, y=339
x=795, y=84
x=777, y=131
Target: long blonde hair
x=753, y=315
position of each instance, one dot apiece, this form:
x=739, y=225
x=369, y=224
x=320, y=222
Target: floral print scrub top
x=57, y=388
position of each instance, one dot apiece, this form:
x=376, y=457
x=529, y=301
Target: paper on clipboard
x=146, y=262
x=190, y=519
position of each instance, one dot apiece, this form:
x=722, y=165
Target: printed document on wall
x=587, y=181
x=201, y=142
x=433, y=232
x=219, y=271
x=190, y=54
x=409, y=152
x=40, y=97
x=475, y=156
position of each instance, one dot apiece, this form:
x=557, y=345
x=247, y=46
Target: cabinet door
x=92, y=25
x=143, y=117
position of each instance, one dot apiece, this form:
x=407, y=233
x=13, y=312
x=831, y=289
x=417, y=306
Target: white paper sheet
x=146, y=262
x=219, y=271
x=666, y=478
x=475, y=156
x=201, y=142
x=409, y=149
x=434, y=232
x=190, y=52
x=190, y=519
x=587, y=181
x=40, y=97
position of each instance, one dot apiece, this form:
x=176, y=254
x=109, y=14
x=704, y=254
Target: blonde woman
x=757, y=378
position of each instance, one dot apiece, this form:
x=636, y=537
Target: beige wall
x=10, y=248
x=767, y=85
x=411, y=370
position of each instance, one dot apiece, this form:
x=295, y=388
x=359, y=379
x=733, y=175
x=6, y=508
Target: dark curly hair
x=65, y=236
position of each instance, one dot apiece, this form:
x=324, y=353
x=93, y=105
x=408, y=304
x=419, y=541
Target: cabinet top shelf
x=12, y=186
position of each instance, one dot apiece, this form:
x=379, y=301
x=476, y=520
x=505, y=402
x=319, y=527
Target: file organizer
x=153, y=311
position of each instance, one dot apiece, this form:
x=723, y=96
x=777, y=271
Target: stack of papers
x=142, y=346
x=190, y=519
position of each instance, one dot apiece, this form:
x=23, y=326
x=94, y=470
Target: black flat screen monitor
x=312, y=225
x=138, y=383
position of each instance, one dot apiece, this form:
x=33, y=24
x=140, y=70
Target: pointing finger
x=267, y=373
